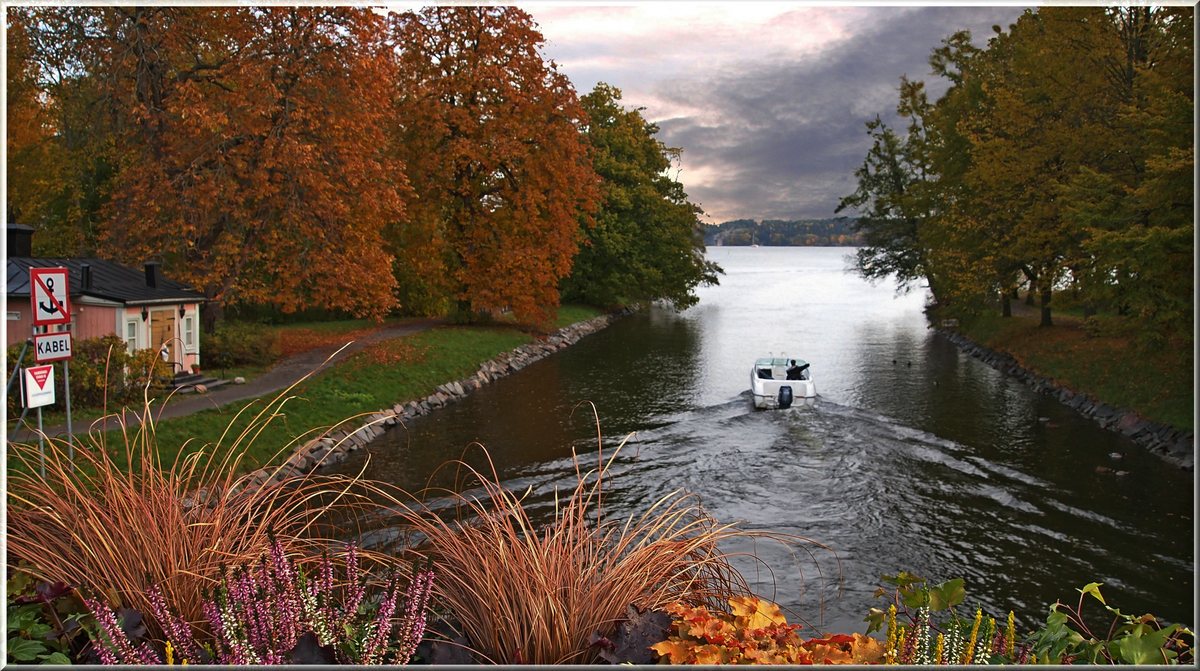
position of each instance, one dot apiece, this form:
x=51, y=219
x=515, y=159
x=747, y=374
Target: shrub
x=103, y=374
x=240, y=344
x=530, y=595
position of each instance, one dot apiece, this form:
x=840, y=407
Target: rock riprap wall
x=333, y=447
x=1173, y=444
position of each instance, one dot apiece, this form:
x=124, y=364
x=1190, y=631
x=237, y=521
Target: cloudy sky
x=767, y=100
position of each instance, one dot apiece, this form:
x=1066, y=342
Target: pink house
x=144, y=308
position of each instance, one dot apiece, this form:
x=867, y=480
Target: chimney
x=152, y=274
x=20, y=240
x=85, y=276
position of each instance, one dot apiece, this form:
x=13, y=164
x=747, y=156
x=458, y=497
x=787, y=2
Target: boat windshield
x=767, y=362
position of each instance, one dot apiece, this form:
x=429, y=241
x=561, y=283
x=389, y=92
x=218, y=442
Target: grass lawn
x=378, y=377
x=373, y=379
x=1105, y=362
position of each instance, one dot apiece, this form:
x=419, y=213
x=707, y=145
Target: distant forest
x=836, y=232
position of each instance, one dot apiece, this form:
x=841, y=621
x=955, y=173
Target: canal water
x=915, y=457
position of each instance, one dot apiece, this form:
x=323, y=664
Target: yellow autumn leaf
x=829, y=654
x=673, y=651
x=866, y=650
x=755, y=613
x=711, y=654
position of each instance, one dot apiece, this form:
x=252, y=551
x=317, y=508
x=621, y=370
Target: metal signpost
x=37, y=387
x=50, y=299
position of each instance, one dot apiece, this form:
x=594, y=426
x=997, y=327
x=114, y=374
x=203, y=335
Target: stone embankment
x=1174, y=445
x=333, y=447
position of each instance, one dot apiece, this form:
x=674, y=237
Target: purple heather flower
x=354, y=595
x=412, y=626
x=177, y=631
x=117, y=649
x=376, y=641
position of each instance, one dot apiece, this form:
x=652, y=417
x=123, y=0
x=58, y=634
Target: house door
x=162, y=330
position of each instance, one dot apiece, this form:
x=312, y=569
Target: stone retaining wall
x=333, y=447
x=1172, y=444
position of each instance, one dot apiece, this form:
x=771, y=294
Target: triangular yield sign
x=40, y=375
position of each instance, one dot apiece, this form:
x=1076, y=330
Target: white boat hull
x=766, y=392
x=771, y=387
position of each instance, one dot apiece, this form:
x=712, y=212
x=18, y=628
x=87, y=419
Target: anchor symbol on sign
x=53, y=307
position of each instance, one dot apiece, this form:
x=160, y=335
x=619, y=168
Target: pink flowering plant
x=273, y=612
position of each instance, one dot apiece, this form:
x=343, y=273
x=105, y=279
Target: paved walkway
x=279, y=377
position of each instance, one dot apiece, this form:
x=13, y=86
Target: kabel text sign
x=38, y=383
x=49, y=291
x=49, y=347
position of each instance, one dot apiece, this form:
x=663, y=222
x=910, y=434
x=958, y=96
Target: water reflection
x=944, y=467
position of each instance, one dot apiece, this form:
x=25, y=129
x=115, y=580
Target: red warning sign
x=49, y=293
x=38, y=384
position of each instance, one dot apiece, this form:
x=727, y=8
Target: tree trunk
x=210, y=314
x=1006, y=305
x=1015, y=293
x=1089, y=310
x=1046, y=320
x=1029, y=300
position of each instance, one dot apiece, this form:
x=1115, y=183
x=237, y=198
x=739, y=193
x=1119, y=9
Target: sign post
x=50, y=298
x=37, y=389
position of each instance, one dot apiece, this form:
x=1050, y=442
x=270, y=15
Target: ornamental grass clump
x=118, y=528
x=529, y=594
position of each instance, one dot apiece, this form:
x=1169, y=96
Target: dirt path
x=279, y=377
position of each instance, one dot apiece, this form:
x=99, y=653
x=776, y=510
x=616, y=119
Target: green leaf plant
x=43, y=620
x=918, y=637
x=1131, y=639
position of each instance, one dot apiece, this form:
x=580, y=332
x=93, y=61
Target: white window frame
x=136, y=335
x=188, y=329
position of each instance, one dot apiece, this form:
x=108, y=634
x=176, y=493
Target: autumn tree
x=250, y=152
x=490, y=134
x=645, y=244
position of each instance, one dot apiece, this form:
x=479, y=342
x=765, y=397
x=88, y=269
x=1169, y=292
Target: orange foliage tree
x=489, y=132
x=253, y=155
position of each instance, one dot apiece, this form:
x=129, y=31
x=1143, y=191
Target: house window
x=189, y=333
x=131, y=329
x=14, y=316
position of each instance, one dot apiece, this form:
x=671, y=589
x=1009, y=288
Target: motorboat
x=776, y=381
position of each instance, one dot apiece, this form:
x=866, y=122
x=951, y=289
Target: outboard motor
x=785, y=397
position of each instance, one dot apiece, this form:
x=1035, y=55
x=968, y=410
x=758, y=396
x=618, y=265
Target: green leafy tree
x=61, y=152
x=1133, y=203
x=646, y=243
x=890, y=217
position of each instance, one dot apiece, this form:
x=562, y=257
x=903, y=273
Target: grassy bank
x=378, y=377
x=1099, y=358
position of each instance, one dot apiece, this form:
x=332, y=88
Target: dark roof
x=111, y=281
